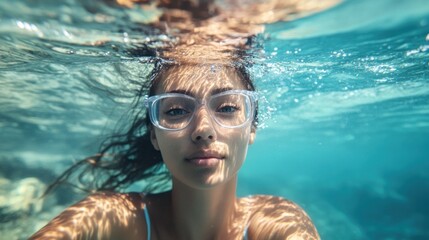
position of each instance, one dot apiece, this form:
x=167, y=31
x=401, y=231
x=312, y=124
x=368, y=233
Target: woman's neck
x=203, y=213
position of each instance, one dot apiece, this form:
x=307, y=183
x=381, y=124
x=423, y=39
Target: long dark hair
x=127, y=158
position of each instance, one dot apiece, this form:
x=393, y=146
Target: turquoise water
x=345, y=130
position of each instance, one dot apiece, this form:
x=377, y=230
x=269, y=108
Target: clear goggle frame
x=174, y=111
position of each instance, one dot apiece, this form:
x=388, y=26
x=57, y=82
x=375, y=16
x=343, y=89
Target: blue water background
x=349, y=140
x=345, y=130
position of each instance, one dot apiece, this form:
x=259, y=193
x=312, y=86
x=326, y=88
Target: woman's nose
x=203, y=128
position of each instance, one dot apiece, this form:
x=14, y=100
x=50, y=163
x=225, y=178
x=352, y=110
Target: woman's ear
x=252, y=134
x=153, y=139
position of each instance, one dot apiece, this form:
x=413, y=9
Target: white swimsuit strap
x=146, y=215
x=245, y=233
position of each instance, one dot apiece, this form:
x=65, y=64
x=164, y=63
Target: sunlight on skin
x=118, y=216
x=275, y=218
x=99, y=216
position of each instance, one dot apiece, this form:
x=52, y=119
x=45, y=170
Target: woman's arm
x=99, y=216
x=277, y=218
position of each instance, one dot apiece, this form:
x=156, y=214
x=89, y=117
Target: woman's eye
x=228, y=109
x=176, y=112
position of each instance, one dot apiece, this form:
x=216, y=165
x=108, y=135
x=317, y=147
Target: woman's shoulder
x=273, y=217
x=268, y=203
x=110, y=202
x=100, y=215
x=131, y=200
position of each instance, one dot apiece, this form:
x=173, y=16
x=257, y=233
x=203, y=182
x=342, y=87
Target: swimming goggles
x=174, y=111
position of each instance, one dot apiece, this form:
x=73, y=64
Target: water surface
x=345, y=127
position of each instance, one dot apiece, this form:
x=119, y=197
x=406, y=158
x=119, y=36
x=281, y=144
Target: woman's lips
x=205, y=161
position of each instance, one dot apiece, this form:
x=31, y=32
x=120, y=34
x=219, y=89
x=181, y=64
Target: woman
x=202, y=120
x=201, y=117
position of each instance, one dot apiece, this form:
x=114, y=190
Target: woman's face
x=203, y=154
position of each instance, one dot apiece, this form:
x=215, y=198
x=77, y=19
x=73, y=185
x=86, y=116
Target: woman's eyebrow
x=212, y=92
x=219, y=90
x=182, y=91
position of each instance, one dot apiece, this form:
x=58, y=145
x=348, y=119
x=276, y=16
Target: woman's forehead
x=199, y=79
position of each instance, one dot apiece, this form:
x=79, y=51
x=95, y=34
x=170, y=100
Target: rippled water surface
x=345, y=127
